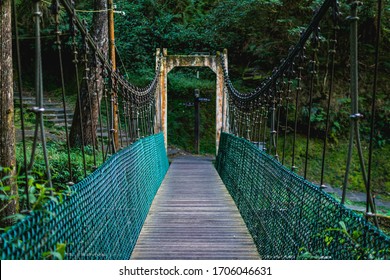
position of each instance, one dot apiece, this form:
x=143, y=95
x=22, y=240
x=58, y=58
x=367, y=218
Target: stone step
x=47, y=102
x=62, y=124
x=106, y=134
x=33, y=98
x=58, y=122
x=56, y=110
x=29, y=134
x=58, y=116
x=32, y=103
x=53, y=110
x=45, y=105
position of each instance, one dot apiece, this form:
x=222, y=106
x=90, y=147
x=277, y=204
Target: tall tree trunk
x=91, y=89
x=7, y=128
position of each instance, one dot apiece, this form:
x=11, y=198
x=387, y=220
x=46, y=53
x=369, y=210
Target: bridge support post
x=115, y=122
x=221, y=113
x=161, y=96
x=225, y=104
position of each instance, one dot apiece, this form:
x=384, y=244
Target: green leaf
x=61, y=249
x=343, y=226
x=60, y=197
x=32, y=198
x=6, y=188
x=30, y=180
x=52, y=255
x=57, y=255
x=4, y=197
x=15, y=217
x=356, y=234
x=5, y=229
x=328, y=240
x=7, y=177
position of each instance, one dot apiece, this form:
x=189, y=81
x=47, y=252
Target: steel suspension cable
x=39, y=109
x=298, y=90
x=88, y=92
x=373, y=106
x=288, y=99
x=332, y=53
x=79, y=106
x=55, y=12
x=313, y=73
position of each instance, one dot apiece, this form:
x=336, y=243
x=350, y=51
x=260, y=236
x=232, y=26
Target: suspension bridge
x=250, y=204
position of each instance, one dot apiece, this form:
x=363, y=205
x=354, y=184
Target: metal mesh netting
x=289, y=217
x=104, y=214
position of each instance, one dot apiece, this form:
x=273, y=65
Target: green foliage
x=304, y=254
x=58, y=160
x=58, y=254
x=257, y=34
x=336, y=157
x=38, y=195
x=181, y=118
x=187, y=26
x=345, y=239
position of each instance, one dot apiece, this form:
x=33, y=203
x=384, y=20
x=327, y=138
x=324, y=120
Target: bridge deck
x=194, y=217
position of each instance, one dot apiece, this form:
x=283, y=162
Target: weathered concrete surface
x=168, y=63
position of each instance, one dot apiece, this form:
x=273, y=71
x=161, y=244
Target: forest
x=257, y=35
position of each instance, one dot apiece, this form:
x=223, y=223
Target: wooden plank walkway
x=194, y=217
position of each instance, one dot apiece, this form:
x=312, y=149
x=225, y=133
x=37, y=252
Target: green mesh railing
x=289, y=217
x=103, y=216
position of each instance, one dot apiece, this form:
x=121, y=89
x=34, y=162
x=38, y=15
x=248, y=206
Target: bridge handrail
x=290, y=217
x=101, y=217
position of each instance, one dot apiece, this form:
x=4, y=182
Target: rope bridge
x=102, y=215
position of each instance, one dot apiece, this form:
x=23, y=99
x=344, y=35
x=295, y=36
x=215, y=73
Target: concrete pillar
x=157, y=97
x=161, y=96
x=219, y=104
x=225, y=111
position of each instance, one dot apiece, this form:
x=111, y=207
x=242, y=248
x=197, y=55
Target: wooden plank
x=194, y=217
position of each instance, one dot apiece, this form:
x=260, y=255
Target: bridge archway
x=168, y=63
